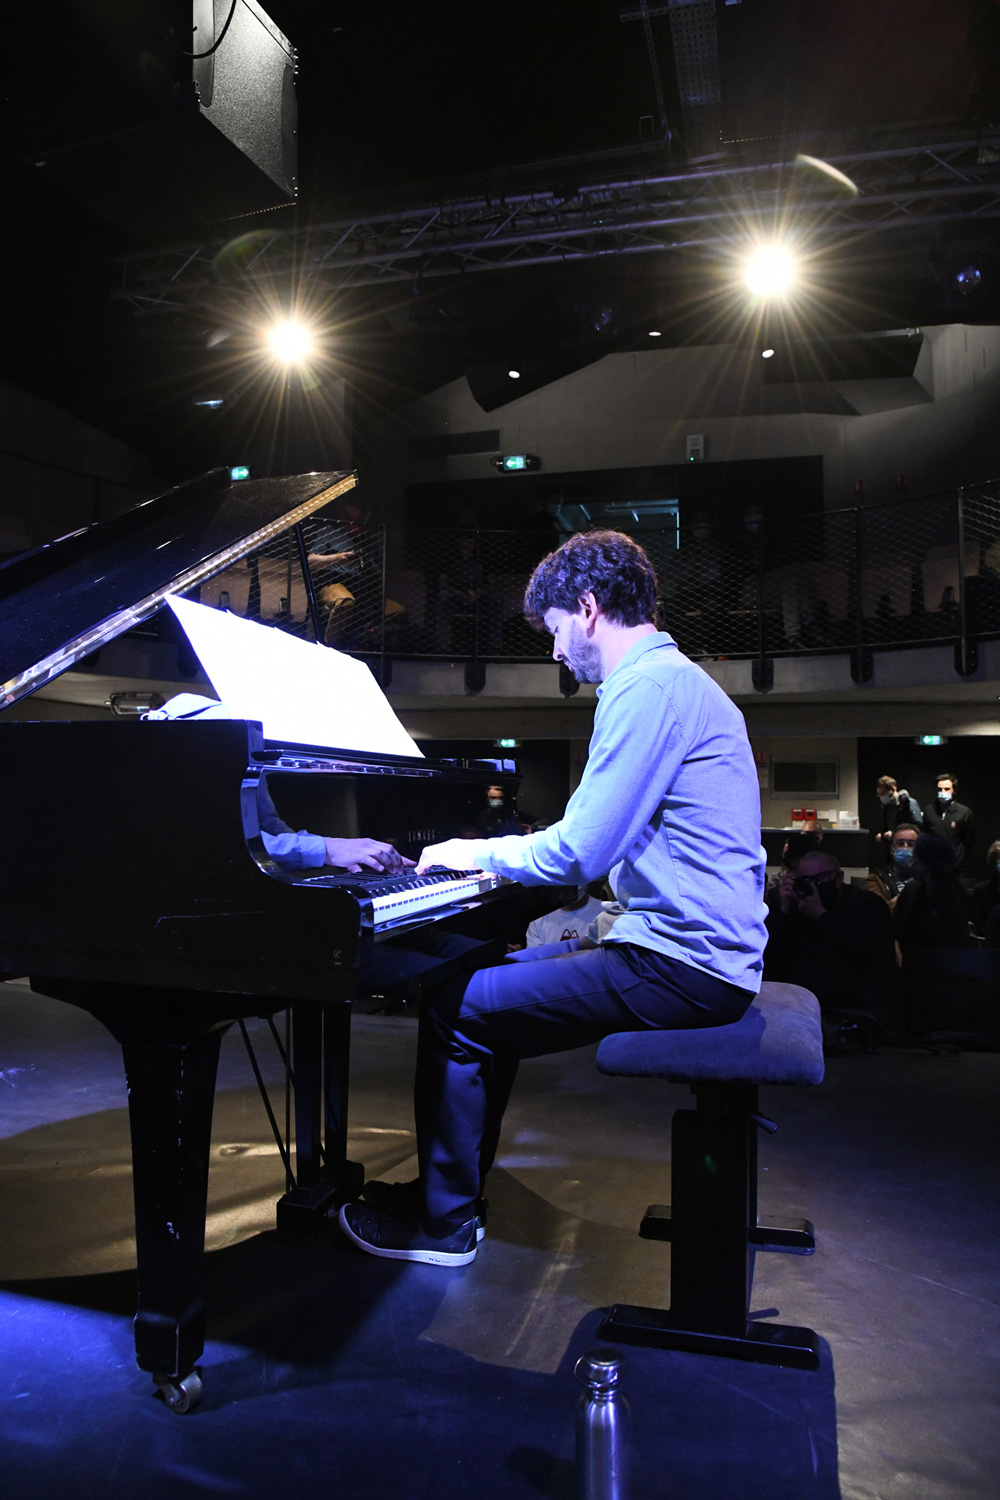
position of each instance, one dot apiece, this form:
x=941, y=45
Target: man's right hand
x=786, y=896
x=453, y=854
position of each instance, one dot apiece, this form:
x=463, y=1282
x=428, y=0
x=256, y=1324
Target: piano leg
x=170, y=1043
x=171, y=1092
x=324, y=1178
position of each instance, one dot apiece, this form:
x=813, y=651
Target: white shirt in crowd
x=557, y=926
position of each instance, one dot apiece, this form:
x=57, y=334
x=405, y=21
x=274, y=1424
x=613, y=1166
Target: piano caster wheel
x=180, y=1395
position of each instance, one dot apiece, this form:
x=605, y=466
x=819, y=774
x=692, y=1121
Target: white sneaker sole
x=424, y=1257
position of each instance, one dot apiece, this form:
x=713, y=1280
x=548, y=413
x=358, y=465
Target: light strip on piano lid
x=82, y=645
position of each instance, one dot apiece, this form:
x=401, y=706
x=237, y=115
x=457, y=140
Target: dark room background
x=973, y=759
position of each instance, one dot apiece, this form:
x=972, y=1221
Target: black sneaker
x=381, y=1233
x=404, y=1200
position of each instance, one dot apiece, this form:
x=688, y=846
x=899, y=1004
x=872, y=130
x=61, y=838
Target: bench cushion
x=779, y=1040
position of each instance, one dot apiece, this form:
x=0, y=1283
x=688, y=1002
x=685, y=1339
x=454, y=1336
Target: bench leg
x=797, y=1238
x=714, y=1179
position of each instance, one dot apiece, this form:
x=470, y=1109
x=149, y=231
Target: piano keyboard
x=400, y=897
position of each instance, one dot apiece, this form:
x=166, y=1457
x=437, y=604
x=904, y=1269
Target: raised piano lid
x=65, y=599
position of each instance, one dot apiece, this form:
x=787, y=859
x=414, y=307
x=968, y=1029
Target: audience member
x=795, y=846
x=835, y=940
x=494, y=820
x=888, y=883
x=950, y=819
x=897, y=806
x=569, y=921
x=984, y=897
x=345, y=561
x=931, y=910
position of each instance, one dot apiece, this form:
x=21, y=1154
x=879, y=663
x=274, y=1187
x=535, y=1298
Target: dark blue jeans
x=474, y=1031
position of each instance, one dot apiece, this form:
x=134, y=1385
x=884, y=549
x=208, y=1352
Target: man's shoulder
x=862, y=899
x=664, y=665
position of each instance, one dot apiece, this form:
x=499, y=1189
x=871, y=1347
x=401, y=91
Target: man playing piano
x=669, y=803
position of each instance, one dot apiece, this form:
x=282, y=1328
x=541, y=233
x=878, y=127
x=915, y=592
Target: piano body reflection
x=135, y=882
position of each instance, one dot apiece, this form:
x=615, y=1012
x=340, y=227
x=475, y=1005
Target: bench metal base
x=714, y=1233
x=797, y=1238
x=764, y=1343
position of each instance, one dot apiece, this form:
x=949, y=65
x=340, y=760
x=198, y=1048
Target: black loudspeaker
x=159, y=114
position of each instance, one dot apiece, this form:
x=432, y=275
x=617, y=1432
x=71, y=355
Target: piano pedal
x=303, y=1211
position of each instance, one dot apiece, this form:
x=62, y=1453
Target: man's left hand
x=453, y=854
x=365, y=854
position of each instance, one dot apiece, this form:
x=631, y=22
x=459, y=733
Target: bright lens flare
x=770, y=271
x=290, y=341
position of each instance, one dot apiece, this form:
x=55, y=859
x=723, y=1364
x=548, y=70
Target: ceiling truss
x=713, y=207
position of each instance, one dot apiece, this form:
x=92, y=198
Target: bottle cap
x=599, y=1369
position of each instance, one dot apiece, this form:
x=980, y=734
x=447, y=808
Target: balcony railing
x=914, y=572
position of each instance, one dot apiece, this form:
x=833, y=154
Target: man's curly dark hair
x=608, y=564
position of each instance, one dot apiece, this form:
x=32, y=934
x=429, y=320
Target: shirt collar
x=643, y=644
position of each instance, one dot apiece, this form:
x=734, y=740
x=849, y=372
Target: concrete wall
x=57, y=473
x=939, y=428
x=775, y=812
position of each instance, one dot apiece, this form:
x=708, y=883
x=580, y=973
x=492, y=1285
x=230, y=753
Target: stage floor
x=328, y=1372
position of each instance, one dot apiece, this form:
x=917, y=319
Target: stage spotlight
x=770, y=271
x=290, y=341
x=767, y=354
x=514, y=374
x=968, y=280
x=655, y=333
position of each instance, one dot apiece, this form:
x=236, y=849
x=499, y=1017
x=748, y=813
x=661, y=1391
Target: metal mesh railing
x=924, y=570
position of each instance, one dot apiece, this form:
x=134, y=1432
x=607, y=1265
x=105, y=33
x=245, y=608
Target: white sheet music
x=303, y=693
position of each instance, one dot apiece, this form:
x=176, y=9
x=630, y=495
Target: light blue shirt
x=669, y=803
x=293, y=851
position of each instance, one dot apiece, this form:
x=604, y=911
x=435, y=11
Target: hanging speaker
x=159, y=114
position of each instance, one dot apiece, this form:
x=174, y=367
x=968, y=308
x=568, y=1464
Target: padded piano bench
x=712, y=1223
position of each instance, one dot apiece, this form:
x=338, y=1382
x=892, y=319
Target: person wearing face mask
x=932, y=911
x=835, y=940
x=495, y=818
x=888, y=883
x=950, y=819
x=896, y=806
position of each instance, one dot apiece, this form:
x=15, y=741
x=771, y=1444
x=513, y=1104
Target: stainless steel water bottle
x=602, y=1428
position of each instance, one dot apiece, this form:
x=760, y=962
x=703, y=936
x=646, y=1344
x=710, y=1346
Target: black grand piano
x=135, y=882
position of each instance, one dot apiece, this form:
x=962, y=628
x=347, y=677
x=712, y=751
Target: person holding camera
x=835, y=940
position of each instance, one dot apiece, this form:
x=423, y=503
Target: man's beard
x=583, y=657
